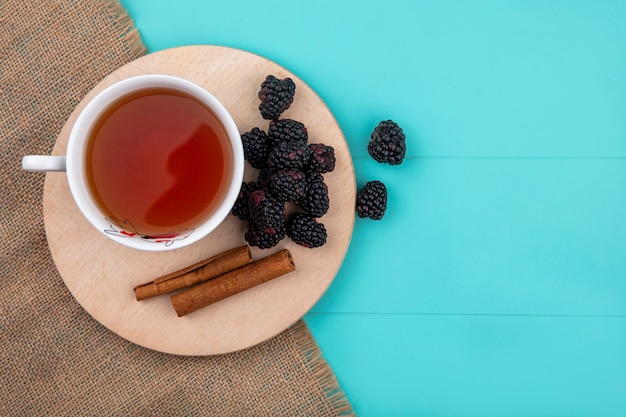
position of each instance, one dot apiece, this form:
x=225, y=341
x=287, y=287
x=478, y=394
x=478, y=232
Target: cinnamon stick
x=198, y=272
x=233, y=282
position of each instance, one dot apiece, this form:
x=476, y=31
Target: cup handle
x=43, y=163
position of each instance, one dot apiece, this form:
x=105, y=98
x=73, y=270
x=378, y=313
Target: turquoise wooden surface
x=496, y=283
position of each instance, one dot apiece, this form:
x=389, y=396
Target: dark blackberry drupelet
x=371, y=201
x=286, y=129
x=306, y=231
x=322, y=158
x=387, y=143
x=256, y=147
x=266, y=211
x=276, y=96
x=289, y=154
x=241, y=208
x=263, y=240
x=263, y=178
x=288, y=184
x=316, y=201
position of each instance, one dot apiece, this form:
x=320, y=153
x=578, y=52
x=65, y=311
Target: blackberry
x=256, y=147
x=387, y=143
x=322, y=158
x=266, y=211
x=315, y=202
x=263, y=178
x=288, y=184
x=263, y=240
x=276, y=96
x=306, y=231
x=287, y=129
x=241, y=208
x=289, y=154
x=372, y=200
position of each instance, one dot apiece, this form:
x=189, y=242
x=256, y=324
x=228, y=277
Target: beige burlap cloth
x=54, y=358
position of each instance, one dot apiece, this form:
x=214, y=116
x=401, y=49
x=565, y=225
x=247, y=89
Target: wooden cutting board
x=101, y=274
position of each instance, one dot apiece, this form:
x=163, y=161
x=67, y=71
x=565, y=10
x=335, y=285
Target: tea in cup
x=154, y=162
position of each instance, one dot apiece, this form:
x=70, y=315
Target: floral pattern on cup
x=126, y=229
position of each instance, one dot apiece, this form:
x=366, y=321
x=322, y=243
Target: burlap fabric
x=54, y=358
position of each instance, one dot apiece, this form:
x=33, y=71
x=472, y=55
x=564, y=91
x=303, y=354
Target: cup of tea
x=154, y=162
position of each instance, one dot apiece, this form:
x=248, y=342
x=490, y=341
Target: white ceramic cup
x=74, y=164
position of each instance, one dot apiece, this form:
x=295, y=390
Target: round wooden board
x=101, y=274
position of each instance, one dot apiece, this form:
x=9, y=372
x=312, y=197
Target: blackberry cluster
x=287, y=129
x=387, y=143
x=266, y=212
x=276, y=96
x=322, y=158
x=256, y=147
x=316, y=201
x=289, y=154
x=289, y=173
x=257, y=237
x=306, y=231
x=288, y=184
x=371, y=201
